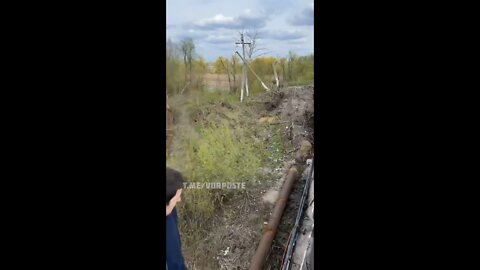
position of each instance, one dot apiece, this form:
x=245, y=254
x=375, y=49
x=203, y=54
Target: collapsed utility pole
x=244, y=69
x=247, y=65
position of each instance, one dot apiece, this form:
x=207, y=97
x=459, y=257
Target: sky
x=214, y=25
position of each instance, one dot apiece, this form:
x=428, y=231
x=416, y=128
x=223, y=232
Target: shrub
x=219, y=154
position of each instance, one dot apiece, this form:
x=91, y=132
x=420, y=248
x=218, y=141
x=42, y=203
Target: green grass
x=276, y=148
x=220, y=153
x=216, y=96
x=205, y=98
x=301, y=82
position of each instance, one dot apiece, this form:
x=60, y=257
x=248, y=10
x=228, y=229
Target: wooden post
x=275, y=72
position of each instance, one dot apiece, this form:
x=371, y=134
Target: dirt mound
x=273, y=100
x=294, y=108
x=297, y=109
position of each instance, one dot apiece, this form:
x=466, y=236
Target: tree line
x=291, y=70
x=185, y=69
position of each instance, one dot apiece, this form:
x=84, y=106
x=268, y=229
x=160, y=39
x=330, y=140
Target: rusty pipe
x=269, y=233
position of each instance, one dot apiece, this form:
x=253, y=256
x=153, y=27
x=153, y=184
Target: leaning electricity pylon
x=244, y=69
x=246, y=64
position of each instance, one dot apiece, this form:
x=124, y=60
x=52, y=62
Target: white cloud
x=283, y=34
x=304, y=18
x=221, y=39
x=247, y=19
x=217, y=20
x=214, y=25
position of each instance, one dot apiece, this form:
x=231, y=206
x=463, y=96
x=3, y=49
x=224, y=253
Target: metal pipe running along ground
x=261, y=253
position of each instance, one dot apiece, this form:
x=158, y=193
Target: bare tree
x=225, y=66
x=187, y=46
x=171, y=50
x=234, y=70
x=282, y=64
x=253, y=49
x=171, y=67
x=292, y=58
